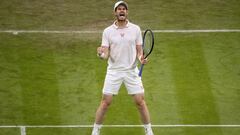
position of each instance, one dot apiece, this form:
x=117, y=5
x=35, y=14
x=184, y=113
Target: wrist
x=140, y=57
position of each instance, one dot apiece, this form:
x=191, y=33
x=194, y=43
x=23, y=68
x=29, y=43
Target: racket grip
x=140, y=71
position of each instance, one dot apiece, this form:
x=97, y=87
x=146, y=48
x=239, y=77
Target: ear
x=114, y=13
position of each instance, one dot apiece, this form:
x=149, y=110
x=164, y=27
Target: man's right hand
x=99, y=51
x=102, y=52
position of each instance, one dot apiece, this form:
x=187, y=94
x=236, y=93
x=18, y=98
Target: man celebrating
x=122, y=46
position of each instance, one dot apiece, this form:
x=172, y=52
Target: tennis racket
x=148, y=43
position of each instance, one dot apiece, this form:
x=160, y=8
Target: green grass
x=10, y=131
x=96, y=15
x=56, y=79
x=41, y=73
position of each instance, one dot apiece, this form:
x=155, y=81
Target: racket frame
x=144, y=35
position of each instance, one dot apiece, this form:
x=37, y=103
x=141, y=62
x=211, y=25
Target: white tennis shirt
x=122, y=43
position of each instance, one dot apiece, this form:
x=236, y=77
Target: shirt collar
x=115, y=26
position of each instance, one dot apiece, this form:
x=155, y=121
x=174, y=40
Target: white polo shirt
x=122, y=43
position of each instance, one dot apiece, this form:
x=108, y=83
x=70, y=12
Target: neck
x=121, y=24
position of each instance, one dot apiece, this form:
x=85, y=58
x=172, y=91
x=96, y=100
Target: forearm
x=140, y=55
x=139, y=52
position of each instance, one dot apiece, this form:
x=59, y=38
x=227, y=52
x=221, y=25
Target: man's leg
x=142, y=107
x=143, y=110
x=105, y=103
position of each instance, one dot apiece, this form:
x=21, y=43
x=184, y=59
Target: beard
x=121, y=17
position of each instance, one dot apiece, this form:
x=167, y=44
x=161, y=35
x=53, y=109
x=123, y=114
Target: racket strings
x=148, y=42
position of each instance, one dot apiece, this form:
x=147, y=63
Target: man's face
x=121, y=13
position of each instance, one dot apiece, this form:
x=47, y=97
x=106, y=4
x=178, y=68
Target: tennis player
x=122, y=46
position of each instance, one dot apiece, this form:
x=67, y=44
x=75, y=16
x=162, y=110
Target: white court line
x=23, y=130
x=196, y=31
x=117, y=126
x=93, y=32
x=49, y=31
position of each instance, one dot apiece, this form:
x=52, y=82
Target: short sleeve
x=139, y=36
x=105, y=40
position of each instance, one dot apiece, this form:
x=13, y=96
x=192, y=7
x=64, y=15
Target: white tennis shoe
x=96, y=131
x=148, y=131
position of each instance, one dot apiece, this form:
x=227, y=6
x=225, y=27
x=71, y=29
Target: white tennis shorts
x=131, y=80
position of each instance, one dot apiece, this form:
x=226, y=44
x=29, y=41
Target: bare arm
x=140, y=54
x=103, y=52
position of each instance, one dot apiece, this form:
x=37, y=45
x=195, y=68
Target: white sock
x=96, y=129
x=147, y=126
x=97, y=126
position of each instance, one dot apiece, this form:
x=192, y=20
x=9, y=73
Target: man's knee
x=106, y=102
x=140, y=103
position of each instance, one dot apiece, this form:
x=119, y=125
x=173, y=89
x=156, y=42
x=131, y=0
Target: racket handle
x=140, y=71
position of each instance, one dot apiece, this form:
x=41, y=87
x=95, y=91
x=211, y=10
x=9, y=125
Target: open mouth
x=121, y=14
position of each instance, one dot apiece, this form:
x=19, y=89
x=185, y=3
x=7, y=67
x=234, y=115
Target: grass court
x=56, y=78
